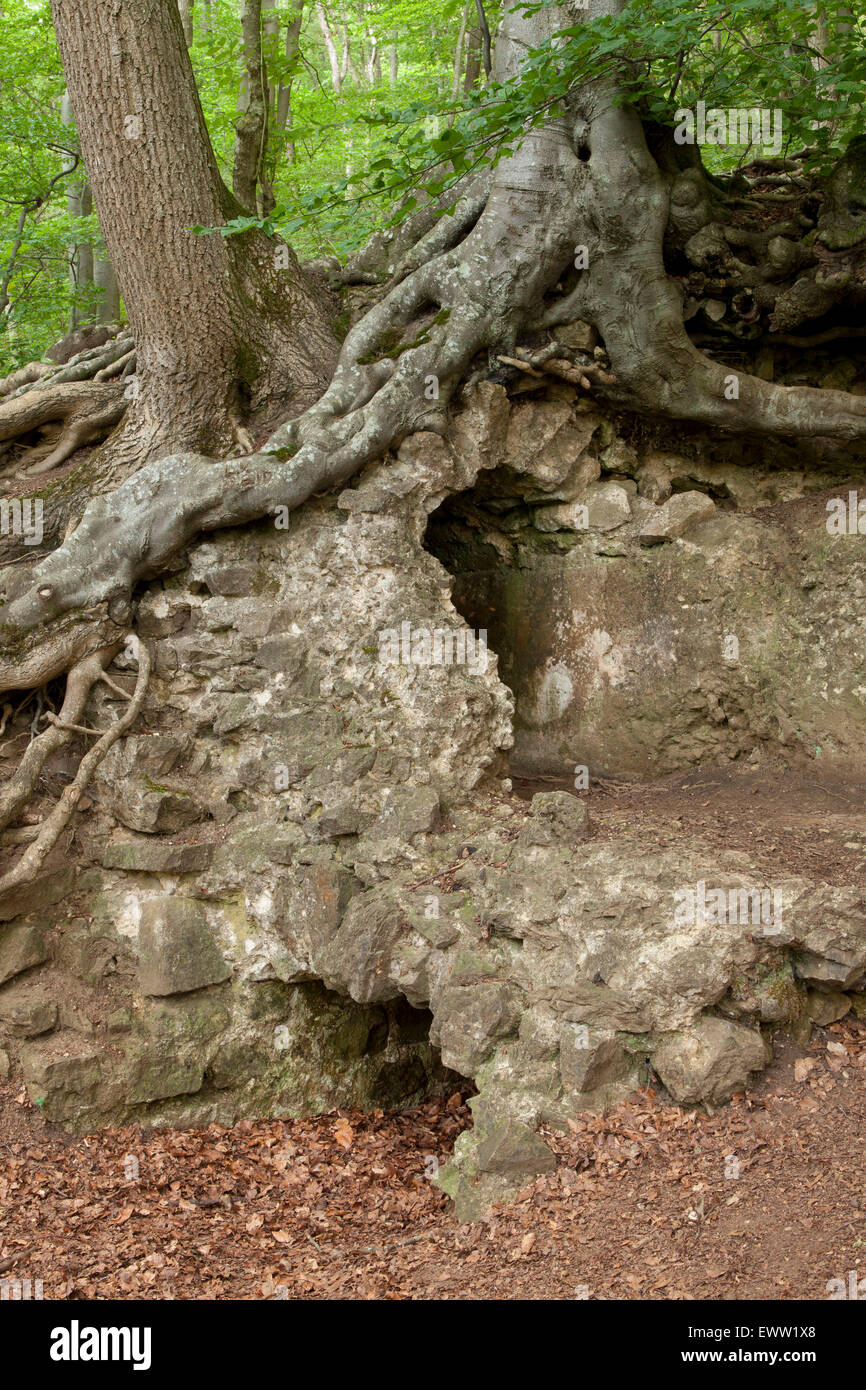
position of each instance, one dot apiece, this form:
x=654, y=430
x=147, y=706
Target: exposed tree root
x=79, y=683
x=81, y=680
x=487, y=278
x=85, y=411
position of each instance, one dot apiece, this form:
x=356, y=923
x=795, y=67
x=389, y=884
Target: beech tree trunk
x=79, y=203
x=186, y=7
x=227, y=328
x=330, y=48
x=251, y=126
x=283, y=100
x=498, y=267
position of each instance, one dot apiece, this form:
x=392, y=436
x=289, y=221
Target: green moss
x=165, y=791
x=390, y=346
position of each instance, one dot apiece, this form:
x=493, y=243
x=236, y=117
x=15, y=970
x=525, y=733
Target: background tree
x=221, y=329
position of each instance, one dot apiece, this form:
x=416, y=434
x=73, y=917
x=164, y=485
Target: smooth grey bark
x=458, y=56
x=283, y=98
x=105, y=280
x=79, y=203
x=251, y=124
x=186, y=18
x=330, y=48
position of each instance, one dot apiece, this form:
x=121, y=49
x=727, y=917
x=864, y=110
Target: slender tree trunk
x=105, y=280
x=186, y=9
x=79, y=203
x=251, y=126
x=392, y=64
x=283, y=105
x=485, y=38
x=330, y=48
x=225, y=327
x=458, y=58
x=473, y=59
x=347, y=67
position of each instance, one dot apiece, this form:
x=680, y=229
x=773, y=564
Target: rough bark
x=224, y=326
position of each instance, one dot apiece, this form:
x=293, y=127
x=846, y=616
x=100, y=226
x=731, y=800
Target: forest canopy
x=369, y=102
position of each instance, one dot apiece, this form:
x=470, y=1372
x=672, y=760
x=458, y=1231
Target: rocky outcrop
x=661, y=610
x=304, y=882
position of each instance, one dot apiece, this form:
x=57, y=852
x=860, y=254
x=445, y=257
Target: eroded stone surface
x=323, y=866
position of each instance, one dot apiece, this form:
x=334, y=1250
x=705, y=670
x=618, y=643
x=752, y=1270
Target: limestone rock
x=603, y=507
x=21, y=947
x=64, y=1074
x=826, y=1006
x=177, y=952
x=158, y=857
x=470, y=1019
x=27, y=1018
x=555, y=818
x=42, y=893
x=709, y=1061
x=512, y=1150
x=674, y=517
x=407, y=811
x=307, y=913
x=590, y=1060
x=230, y=580
x=153, y=809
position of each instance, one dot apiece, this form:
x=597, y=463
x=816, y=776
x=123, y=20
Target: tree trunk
x=283, y=103
x=498, y=267
x=79, y=203
x=330, y=48
x=251, y=126
x=186, y=8
x=105, y=280
x=458, y=57
x=473, y=58
x=226, y=328
x=347, y=66
x=485, y=38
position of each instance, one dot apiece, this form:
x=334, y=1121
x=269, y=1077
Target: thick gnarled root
x=77, y=413
x=70, y=403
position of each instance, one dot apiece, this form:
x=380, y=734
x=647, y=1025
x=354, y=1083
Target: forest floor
x=760, y=1199
x=809, y=820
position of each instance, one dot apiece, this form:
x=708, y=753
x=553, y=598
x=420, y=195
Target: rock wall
x=147, y=974
x=303, y=881
x=654, y=611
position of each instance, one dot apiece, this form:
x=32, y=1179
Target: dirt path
x=762, y=1199
x=810, y=821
